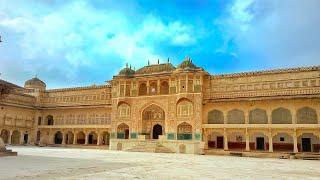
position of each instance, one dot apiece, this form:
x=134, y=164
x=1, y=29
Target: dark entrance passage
x=25, y=138
x=126, y=134
x=306, y=144
x=90, y=139
x=260, y=143
x=219, y=142
x=157, y=130
x=58, y=138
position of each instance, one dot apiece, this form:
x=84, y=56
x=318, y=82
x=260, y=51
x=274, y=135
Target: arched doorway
x=92, y=139
x=123, y=131
x=15, y=138
x=152, y=115
x=157, y=130
x=105, y=138
x=81, y=138
x=69, y=138
x=58, y=138
x=5, y=136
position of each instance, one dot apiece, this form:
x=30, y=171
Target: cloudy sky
x=81, y=42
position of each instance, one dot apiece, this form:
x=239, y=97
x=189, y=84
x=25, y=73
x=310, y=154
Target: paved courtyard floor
x=63, y=163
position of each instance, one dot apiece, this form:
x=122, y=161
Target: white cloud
x=285, y=33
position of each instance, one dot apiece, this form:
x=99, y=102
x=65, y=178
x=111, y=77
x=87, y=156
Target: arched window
x=184, y=108
x=235, y=116
x=184, y=131
x=143, y=89
x=281, y=116
x=164, y=87
x=124, y=110
x=215, y=117
x=123, y=131
x=258, y=116
x=153, y=89
x=307, y=115
x=153, y=112
x=50, y=120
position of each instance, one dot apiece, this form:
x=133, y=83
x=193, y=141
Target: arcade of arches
x=223, y=130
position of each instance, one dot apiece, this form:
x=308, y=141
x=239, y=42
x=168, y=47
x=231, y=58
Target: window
x=39, y=120
x=281, y=139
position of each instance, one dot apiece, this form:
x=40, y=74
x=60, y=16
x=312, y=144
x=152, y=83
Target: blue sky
x=81, y=42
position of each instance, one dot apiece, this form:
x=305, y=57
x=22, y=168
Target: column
x=179, y=84
x=148, y=87
x=119, y=88
x=10, y=134
x=225, y=140
x=295, y=142
x=125, y=88
x=225, y=117
x=269, y=114
x=187, y=83
x=158, y=86
x=247, y=141
x=294, y=116
x=270, y=142
x=21, y=138
x=246, y=117
x=86, y=139
x=99, y=139
x=64, y=138
x=74, y=137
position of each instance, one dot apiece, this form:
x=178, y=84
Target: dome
x=187, y=64
x=127, y=71
x=35, y=83
x=156, y=68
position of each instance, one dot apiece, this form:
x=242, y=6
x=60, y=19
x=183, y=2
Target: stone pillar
x=294, y=116
x=269, y=114
x=295, y=142
x=247, y=141
x=270, y=142
x=99, y=139
x=64, y=138
x=10, y=136
x=225, y=117
x=86, y=139
x=125, y=88
x=225, y=140
x=119, y=89
x=158, y=86
x=148, y=87
x=75, y=137
x=187, y=83
x=246, y=117
x=21, y=137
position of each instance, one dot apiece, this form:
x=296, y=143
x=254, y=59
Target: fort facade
x=162, y=107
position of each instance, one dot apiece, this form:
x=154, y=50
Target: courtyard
x=70, y=163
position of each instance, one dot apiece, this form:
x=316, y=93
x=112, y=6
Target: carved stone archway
x=151, y=116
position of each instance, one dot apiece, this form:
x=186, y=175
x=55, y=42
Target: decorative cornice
x=266, y=72
x=80, y=88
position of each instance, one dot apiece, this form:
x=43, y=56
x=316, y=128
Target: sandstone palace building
x=167, y=108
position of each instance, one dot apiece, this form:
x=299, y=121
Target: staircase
x=7, y=152
x=149, y=146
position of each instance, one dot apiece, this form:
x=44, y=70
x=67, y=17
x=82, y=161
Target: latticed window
x=124, y=110
x=235, y=117
x=215, y=117
x=307, y=115
x=281, y=116
x=258, y=116
x=185, y=109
